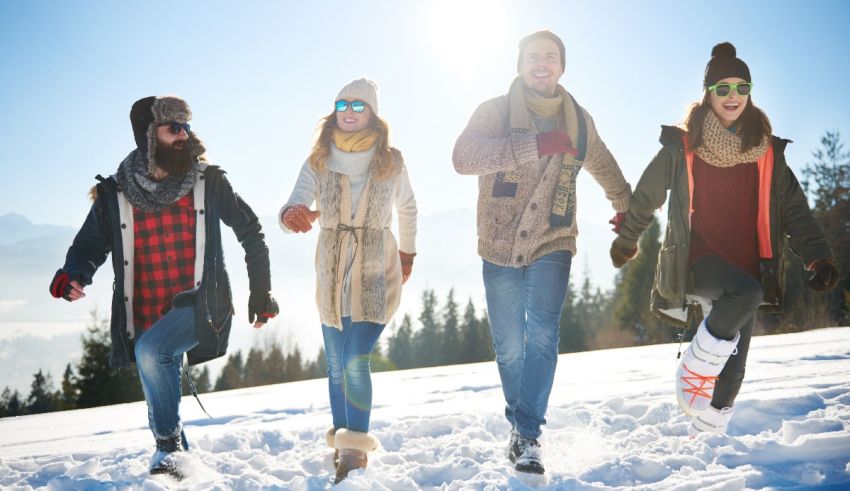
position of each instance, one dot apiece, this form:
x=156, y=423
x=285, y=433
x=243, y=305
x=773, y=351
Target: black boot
x=162, y=461
x=524, y=453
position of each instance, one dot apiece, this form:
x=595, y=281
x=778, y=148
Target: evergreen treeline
x=443, y=335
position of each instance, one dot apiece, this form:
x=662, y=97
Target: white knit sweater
x=355, y=165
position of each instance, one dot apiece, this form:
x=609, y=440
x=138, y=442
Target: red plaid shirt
x=164, y=243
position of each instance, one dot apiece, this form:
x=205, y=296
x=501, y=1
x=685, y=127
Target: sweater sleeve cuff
x=407, y=242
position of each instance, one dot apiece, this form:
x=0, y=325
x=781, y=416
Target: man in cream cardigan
x=527, y=148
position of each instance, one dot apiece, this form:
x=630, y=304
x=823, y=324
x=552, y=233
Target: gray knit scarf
x=146, y=194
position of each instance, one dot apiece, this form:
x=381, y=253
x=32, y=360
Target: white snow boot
x=698, y=370
x=711, y=421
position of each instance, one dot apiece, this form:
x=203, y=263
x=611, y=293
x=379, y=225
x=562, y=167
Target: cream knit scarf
x=722, y=148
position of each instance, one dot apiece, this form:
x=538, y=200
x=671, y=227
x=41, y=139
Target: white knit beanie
x=362, y=89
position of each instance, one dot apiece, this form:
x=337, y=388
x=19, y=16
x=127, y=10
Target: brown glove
x=824, y=276
x=299, y=218
x=406, y=265
x=621, y=255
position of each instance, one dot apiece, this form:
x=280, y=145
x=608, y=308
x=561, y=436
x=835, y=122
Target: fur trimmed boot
x=330, y=439
x=711, y=421
x=698, y=370
x=353, y=447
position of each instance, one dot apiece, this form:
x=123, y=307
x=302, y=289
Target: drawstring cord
x=195, y=390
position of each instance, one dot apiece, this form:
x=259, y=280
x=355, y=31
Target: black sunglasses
x=176, y=127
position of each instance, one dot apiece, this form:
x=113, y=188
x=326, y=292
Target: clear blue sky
x=258, y=76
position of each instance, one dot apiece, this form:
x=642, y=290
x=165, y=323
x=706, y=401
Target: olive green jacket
x=790, y=219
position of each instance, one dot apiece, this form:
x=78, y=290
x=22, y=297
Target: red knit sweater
x=724, y=220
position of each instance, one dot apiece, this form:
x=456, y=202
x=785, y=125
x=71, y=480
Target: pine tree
x=41, y=398
x=318, y=368
x=97, y=383
x=11, y=404
x=69, y=395
x=400, y=345
x=427, y=341
x=274, y=364
x=827, y=182
x=231, y=375
x=378, y=361
x=631, y=307
x=253, y=373
x=202, y=380
x=571, y=330
x=450, y=349
x=294, y=368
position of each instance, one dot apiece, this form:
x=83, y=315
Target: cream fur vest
x=375, y=269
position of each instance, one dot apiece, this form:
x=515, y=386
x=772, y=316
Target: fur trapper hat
x=150, y=112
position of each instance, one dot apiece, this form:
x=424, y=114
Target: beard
x=174, y=159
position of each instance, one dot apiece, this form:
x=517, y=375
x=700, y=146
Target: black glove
x=60, y=286
x=824, y=276
x=261, y=305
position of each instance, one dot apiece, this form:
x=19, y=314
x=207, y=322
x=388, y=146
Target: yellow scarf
x=358, y=141
x=545, y=107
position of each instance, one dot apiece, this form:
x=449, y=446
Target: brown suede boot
x=349, y=460
x=352, y=447
x=330, y=439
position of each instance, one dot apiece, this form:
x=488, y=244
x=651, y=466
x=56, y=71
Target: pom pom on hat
x=724, y=64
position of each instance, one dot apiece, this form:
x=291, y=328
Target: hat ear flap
x=196, y=146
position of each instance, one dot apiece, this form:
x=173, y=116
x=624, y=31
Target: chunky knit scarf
x=722, y=148
x=146, y=194
x=358, y=141
x=569, y=115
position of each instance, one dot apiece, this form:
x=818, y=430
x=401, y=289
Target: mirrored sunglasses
x=356, y=106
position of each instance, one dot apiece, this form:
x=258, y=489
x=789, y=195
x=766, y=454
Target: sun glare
x=467, y=33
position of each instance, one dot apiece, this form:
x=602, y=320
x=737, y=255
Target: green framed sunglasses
x=723, y=90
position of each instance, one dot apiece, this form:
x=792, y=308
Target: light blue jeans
x=349, y=372
x=524, y=308
x=159, y=358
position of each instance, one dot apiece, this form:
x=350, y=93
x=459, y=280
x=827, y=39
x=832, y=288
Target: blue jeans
x=159, y=358
x=524, y=308
x=349, y=372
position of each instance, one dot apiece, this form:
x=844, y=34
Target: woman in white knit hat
x=355, y=178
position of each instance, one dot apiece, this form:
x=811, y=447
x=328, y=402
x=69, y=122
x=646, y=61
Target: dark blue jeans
x=159, y=358
x=349, y=372
x=524, y=307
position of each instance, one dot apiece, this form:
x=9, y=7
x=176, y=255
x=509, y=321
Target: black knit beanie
x=544, y=34
x=724, y=64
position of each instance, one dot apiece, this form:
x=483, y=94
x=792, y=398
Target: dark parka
x=212, y=299
x=790, y=219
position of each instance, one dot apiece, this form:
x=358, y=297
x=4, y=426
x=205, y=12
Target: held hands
x=824, y=276
x=617, y=222
x=262, y=305
x=620, y=255
x=554, y=142
x=63, y=286
x=406, y=265
x=299, y=218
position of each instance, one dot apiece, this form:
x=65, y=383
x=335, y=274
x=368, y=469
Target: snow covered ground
x=612, y=423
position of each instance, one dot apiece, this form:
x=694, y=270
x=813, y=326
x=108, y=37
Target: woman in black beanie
x=733, y=203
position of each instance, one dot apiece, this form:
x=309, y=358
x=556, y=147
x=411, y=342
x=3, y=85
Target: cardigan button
x=519, y=258
x=523, y=234
x=533, y=206
x=202, y=177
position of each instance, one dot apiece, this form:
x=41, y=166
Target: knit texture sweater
x=515, y=231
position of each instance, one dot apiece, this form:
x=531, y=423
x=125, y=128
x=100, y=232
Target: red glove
x=299, y=218
x=554, y=142
x=824, y=276
x=406, y=265
x=620, y=256
x=617, y=222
